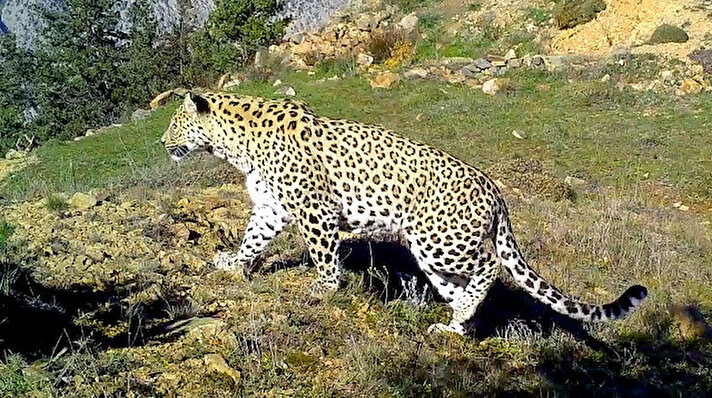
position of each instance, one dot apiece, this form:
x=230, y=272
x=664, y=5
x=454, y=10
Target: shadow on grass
x=38, y=321
x=666, y=367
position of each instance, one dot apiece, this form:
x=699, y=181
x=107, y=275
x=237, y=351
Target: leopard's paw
x=453, y=327
x=225, y=261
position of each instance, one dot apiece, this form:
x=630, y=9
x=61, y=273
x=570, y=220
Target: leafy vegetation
x=570, y=13
x=667, y=33
x=89, y=70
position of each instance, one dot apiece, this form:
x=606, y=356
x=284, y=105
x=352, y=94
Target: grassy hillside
x=147, y=316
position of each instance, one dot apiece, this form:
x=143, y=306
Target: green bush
x=570, y=13
x=667, y=33
x=87, y=72
x=233, y=33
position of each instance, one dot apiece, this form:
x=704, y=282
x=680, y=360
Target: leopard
x=329, y=176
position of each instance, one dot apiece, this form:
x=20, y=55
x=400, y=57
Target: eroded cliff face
x=24, y=17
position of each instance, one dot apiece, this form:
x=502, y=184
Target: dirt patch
x=630, y=23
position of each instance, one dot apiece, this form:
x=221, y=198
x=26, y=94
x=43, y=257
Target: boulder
x=384, y=80
x=496, y=85
x=408, y=23
x=139, y=114
x=416, y=73
x=82, y=201
x=14, y=155
x=482, y=64
x=364, y=59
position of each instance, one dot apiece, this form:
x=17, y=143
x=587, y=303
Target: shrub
x=667, y=33
x=570, y=13
x=383, y=42
x=233, y=33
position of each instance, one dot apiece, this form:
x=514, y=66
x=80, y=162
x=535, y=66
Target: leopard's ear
x=196, y=105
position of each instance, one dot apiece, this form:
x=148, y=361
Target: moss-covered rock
x=667, y=33
x=570, y=13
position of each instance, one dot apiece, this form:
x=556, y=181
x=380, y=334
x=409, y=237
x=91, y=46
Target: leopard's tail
x=535, y=285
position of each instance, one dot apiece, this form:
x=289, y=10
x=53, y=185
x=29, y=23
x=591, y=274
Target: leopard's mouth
x=178, y=152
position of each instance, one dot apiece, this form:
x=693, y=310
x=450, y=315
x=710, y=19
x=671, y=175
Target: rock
x=606, y=78
x=519, y=134
x=223, y=80
x=139, y=114
x=162, y=99
x=231, y=84
x=82, y=201
x=277, y=83
x=496, y=60
x=370, y=21
x=470, y=71
x=364, y=59
x=216, y=363
x=287, y=90
x=408, y=23
x=553, y=62
x=416, y=73
x=15, y=155
x=510, y=55
x=574, y=181
x=514, y=63
x=384, y=80
x=91, y=132
x=482, y=64
x=704, y=58
x=296, y=38
x=496, y=85
x=689, y=86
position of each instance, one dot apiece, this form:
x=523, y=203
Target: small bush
x=56, y=203
x=6, y=230
x=570, y=13
x=538, y=15
x=667, y=33
x=384, y=42
x=337, y=66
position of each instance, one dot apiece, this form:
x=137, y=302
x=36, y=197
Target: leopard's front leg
x=265, y=223
x=267, y=220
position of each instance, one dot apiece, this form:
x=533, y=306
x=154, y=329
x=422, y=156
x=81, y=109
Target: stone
x=82, y=201
x=370, y=21
x=482, y=64
x=162, y=99
x=139, y=114
x=514, y=63
x=287, y=90
x=606, y=78
x=232, y=83
x=496, y=85
x=690, y=86
x=574, y=181
x=416, y=73
x=297, y=38
x=91, y=132
x=553, y=63
x=216, y=363
x=496, y=60
x=470, y=71
x=364, y=59
x=519, y=134
x=15, y=155
x=408, y=23
x=667, y=33
x=510, y=55
x=277, y=83
x=384, y=80
x=223, y=80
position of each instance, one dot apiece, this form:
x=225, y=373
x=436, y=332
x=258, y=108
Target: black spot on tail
x=624, y=303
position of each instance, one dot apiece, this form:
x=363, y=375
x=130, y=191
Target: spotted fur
x=329, y=175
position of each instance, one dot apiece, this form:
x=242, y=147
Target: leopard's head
x=190, y=128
